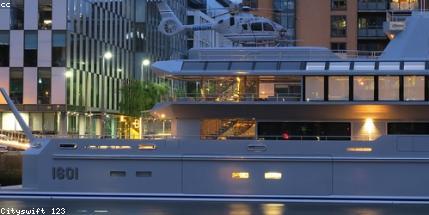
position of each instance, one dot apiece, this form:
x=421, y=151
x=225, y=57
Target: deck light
x=273, y=175
x=369, y=127
x=240, y=175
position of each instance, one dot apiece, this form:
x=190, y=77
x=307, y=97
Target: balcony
x=372, y=6
x=371, y=32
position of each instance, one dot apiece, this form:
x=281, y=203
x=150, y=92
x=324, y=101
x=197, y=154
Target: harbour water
x=94, y=207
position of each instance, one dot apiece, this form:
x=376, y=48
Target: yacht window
x=193, y=66
x=389, y=66
x=290, y=66
x=268, y=27
x=143, y=174
x=364, y=66
x=338, y=88
x=257, y=26
x=314, y=88
x=232, y=21
x=414, y=66
x=228, y=129
x=217, y=65
x=304, y=130
x=363, y=88
x=245, y=27
x=242, y=65
x=266, y=66
x=414, y=88
x=388, y=88
x=408, y=128
x=339, y=66
x=315, y=66
x=117, y=173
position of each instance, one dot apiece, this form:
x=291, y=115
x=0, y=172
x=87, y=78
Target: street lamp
x=106, y=56
x=145, y=63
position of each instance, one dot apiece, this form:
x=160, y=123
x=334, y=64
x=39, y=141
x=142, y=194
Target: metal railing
x=365, y=138
x=249, y=97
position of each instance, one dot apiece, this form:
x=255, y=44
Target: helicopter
x=240, y=27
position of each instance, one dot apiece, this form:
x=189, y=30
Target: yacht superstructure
x=261, y=124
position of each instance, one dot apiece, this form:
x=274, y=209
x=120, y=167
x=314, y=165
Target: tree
x=138, y=96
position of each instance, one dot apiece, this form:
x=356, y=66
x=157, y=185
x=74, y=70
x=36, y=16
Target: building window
x=45, y=14
x=338, y=46
x=30, y=48
x=314, y=88
x=250, y=3
x=338, y=26
x=17, y=14
x=363, y=88
x=338, y=88
x=16, y=90
x=388, y=88
x=44, y=86
x=414, y=88
x=58, y=49
x=4, y=48
x=339, y=4
x=404, y=5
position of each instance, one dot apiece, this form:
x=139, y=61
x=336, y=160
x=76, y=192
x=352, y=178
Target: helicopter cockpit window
x=232, y=21
x=268, y=27
x=245, y=27
x=257, y=26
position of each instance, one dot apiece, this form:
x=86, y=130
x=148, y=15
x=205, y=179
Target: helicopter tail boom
x=170, y=24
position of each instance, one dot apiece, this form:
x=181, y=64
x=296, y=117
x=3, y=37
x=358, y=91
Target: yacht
x=263, y=124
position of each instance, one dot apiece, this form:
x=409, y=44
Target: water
x=101, y=207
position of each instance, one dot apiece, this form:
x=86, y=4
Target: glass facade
x=4, y=48
x=17, y=14
x=285, y=15
x=30, y=48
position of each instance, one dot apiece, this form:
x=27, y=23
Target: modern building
x=64, y=62
x=336, y=24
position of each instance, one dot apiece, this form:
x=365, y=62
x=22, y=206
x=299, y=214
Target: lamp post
x=145, y=63
x=106, y=56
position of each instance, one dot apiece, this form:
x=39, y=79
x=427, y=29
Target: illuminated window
x=273, y=175
x=388, y=88
x=363, y=88
x=314, y=88
x=338, y=88
x=414, y=88
x=338, y=26
x=240, y=175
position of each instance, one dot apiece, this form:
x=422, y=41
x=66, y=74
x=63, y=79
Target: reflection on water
x=101, y=207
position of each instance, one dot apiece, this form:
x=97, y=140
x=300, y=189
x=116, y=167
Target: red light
x=285, y=136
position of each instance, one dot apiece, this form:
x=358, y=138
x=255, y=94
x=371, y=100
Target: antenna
x=17, y=115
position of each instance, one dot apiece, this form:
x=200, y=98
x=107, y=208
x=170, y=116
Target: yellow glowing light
x=108, y=55
x=162, y=116
x=69, y=74
x=359, y=149
x=273, y=175
x=369, y=126
x=47, y=21
x=240, y=175
x=147, y=147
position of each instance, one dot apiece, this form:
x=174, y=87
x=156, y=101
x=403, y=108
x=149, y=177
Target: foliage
x=139, y=96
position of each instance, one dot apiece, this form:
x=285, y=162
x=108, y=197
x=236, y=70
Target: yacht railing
x=249, y=97
x=266, y=137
